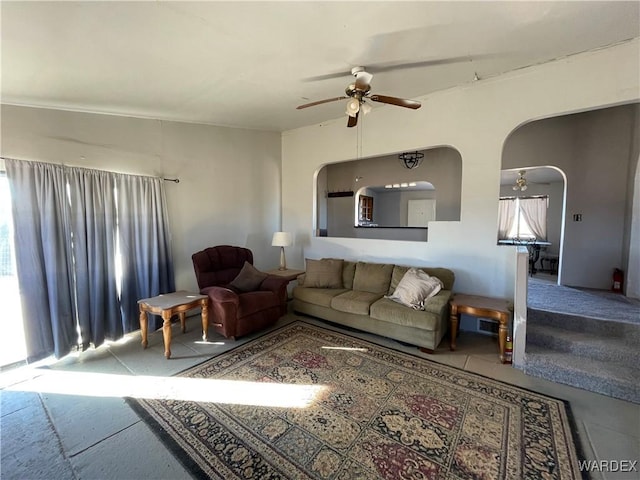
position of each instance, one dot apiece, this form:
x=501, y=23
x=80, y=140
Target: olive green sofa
x=358, y=301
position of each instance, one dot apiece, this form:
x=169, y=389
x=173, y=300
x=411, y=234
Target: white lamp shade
x=281, y=239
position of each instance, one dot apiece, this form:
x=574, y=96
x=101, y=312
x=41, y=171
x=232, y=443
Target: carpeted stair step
x=585, y=344
x=598, y=376
x=628, y=333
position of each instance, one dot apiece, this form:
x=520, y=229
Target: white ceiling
x=248, y=64
x=533, y=175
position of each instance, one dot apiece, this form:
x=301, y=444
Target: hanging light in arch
x=521, y=182
x=411, y=160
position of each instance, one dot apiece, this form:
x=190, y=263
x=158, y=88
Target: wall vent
x=487, y=326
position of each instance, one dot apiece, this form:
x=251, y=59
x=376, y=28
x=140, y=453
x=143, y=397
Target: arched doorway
x=548, y=184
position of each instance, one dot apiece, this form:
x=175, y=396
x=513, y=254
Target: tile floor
x=68, y=420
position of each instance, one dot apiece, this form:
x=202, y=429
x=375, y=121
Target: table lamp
x=282, y=239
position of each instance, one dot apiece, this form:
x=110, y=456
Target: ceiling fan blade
x=389, y=66
x=400, y=102
x=353, y=121
x=363, y=80
x=320, y=102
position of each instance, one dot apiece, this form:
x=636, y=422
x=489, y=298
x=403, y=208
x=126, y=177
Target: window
x=520, y=228
x=523, y=218
x=365, y=209
x=12, y=344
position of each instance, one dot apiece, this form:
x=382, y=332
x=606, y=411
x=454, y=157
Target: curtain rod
x=530, y=196
x=174, y=180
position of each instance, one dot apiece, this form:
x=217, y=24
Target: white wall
x=475, y=119
x=229, y=190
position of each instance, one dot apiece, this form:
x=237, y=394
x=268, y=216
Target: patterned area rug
x=305, y=402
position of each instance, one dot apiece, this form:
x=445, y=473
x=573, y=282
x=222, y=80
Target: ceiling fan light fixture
x=521, y=182
x=353, y=107
x=358, y=97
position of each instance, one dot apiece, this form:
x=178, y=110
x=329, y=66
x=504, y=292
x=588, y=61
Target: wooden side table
x=289, y=273
x=168, y=305
x=477, y=306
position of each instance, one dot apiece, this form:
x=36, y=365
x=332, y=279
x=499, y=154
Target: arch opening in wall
x=531, y=211
x=382, y=198
x=595, y=157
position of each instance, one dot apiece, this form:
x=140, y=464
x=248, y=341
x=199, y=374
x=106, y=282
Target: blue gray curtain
x=145, y=245
x=89, y=244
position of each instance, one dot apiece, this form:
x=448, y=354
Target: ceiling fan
x=521, y=182
x=358, y=93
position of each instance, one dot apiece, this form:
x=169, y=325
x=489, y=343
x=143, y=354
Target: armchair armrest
x=278, y=286
x=221, y=295
x=223, y=305
x=274, y=284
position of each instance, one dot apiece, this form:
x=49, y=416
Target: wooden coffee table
x=477, y=306
x=168, y=305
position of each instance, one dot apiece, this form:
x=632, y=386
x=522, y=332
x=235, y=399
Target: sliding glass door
x=12, y=344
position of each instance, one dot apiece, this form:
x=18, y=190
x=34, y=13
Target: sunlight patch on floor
x=235, y=392
x=350, y=349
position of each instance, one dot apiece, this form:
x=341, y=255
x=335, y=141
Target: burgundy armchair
x=235, y=312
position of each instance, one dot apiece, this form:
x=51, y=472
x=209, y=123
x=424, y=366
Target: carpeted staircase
x=596, y=350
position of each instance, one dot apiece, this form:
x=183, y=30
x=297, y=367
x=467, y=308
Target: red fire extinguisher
x=618, y=280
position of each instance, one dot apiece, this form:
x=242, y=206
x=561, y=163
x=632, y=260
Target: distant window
x=365, y=209
x=523, y=218
x=520, y=228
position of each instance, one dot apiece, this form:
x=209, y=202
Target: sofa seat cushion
x=401, y=315
x=252, y=302
x=316, y=296
x=439, y=303
x=354, y=301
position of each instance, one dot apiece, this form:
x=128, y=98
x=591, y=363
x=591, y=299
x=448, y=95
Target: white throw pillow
x=415, y=288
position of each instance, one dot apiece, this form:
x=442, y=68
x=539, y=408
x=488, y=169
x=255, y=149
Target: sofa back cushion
x=325, y=273
x=348, y=272
x=445, y=275
x=372, y=277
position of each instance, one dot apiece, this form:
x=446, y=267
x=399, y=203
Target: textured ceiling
x=249, y=64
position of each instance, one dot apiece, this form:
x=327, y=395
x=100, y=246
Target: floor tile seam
x=590, y=448
x=57, y=435
x=33, y=375
x=609, y=427
x=111, y=435
x=114, y=354
x=121, y=362
x=6, y=415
